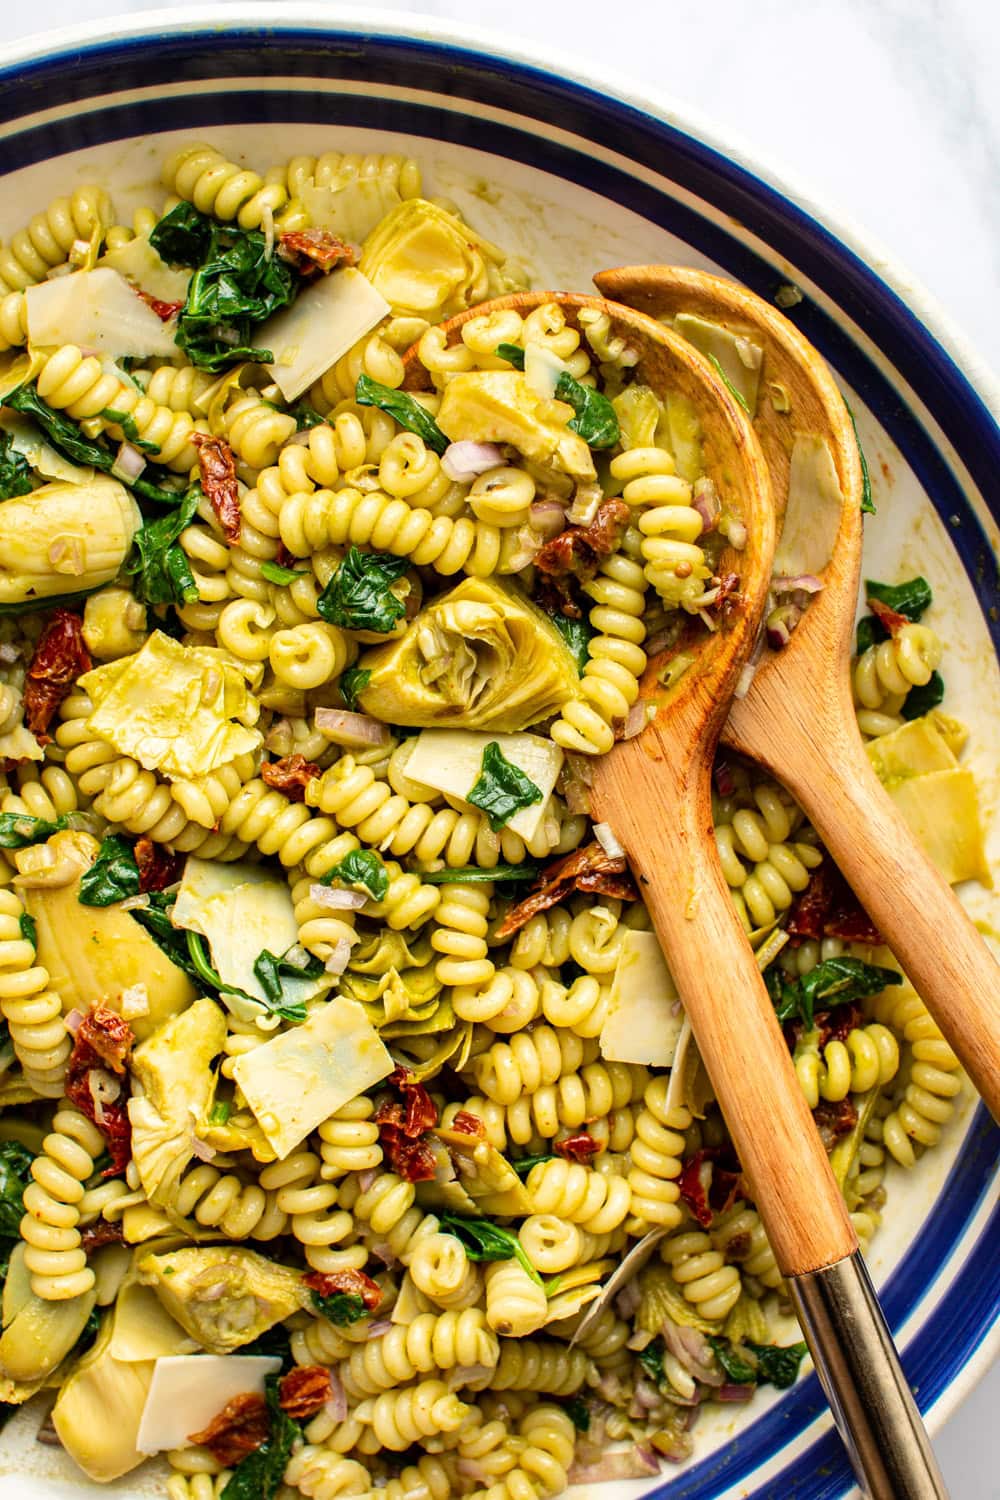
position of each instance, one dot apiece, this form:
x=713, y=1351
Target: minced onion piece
x=104, y=1089
x=334, y=898
x=635, y=721
x=129, y=463
x=134, y=1002
x=74, y=1020
x=586, y=500
x=780, y=624
x=340, y=953
x=604, y=834
x=66, y=555
x=202, y=1150
x=747, y=673
x=734, y=1393
x=637, y=1463
x=378, y=1327
x=336, y=1405
x=807, y=582
x=135, y=903
x=267, y=224
x=733, y=529
x=547, y=518
x=356, y=731
x=751, y=354
x=467, y=460
x=705, y=500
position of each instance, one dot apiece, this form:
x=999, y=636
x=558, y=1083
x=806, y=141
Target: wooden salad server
x=798, y=718
x=654, y=791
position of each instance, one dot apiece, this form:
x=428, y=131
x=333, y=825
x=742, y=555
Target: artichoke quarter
x=224, y=1295
x=426, y=263
x=480, y=657
x=64, y=538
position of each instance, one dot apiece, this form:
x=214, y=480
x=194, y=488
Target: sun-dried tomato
x=809, y=911
x=578, y=550
x=588, y=869
x=467, y=1123
x=829, y=908
x=165, y=311
x=351, y=1283
x=218, y=480
x=103, y=1042
x=284, y=558
x=728, y=600
x=314, y=250
x=890, y=619
x=304, y=1391
x=722, y=774
x=837, y=1025
x=403, y=1126
x=101, y=1233
x=240, y=1428
x=710, y=1181
x=291, y=775
x=580, y=1147
x=60, y=658
x=835, y=1120
x=158, y=866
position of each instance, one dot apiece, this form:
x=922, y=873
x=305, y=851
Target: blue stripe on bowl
x=970, y=1308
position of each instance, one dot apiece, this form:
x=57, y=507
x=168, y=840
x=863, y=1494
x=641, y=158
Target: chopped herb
x=737, y=396
x=113, y=875
x=159, y=563
x=651, y=1359
x=835, y=981
x=407, y=411
x=512, y=353
x=220, y=1112
x=15, y=471
x=361, y=868
x=484, y=1240
x=352, y=683
x=18, y=830
x=29, y=931
x=579, y=1413
x=15, y=1174
x=235, y=286
x=867, y=503
x=342, y=1308
x=502, y=789
x=920, y=700
x=910, y=598
x=260, y=1475
x=524, y=1166
x=577, y=634
x=275, y=573
x=267, y=970
x=127, y=423
x=596, y=420
x=473, y=875
x=360, y=595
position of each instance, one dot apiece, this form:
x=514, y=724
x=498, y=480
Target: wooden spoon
x=654, y=790
x=798, y=718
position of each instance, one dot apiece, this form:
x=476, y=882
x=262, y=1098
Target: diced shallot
x=604, y=834
x=74, y=1020
x=635, y=723
x=335, y=899
x=547, y=518
x=336, y=1406
x=135, y=903
x=355, y=731
x=786, y=584
x=135, y=1001
x=340, y=953
x=202, y=1150
x=586, y=501
x=129, y=463
x=467, y=460
x=734, y=1393
x=104, y=1089
x=706, y=502
x=377, y=1328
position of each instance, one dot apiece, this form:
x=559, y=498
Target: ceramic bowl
x=577, y=174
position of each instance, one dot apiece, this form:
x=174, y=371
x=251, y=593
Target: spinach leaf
x=260, y=1475
x=651, y=1359
x=910, y=598
x=835, y=981
x=501, y=789
x=18, y=830
x=867, y=503
x=274, y=1341
x=275, y=573
x=15, y=471
x=778, y=1364
x=155, y=918
x=404, y=409
x=596, y=420
x=869, y=632
x=738, y=1369
x=127, y=423
x=484, y=1240
x=236, y=285
x=361, y=868
x=577, y=634
x=524, y=1166
x=29, y=931
x=158, y=561
x=15, y=1174
x=306, y=416
x=113, y=875
x=360, y=596
x=267, y=968
x=352, y=682
x=474, y=875
x=204, y=972
x=578, y=1412
x=341, y=1308
x=920, y=700
x=512, y=353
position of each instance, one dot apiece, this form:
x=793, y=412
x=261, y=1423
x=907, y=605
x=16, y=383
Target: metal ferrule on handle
x=861, y=1376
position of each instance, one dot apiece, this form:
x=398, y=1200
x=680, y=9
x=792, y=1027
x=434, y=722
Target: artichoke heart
x=472, y=1172
x=223, y=1295
x=499, y=406
x=37, y=1335
x=64, y=538
x=480, y=657
x=173, y=1069
x=99, y=1409
x=426, y=263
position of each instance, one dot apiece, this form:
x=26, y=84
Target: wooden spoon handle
x=733, y=1019
x=923, y=921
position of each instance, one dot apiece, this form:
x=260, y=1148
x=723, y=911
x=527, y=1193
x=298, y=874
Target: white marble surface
x=886, y=111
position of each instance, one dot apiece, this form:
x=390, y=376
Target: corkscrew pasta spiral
x=203, y=176
x=868, y=1058
x=707, y=1282
x=54, y=1255
x=46, y=242
x=32, y=1010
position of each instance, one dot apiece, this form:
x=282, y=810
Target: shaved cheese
x=188, y=1390
x=43, y=458
x=324, y=322
x=295, y=1082
x=451, y=760
x=96, y=310
x=240, y=910
x=812, y=519
x=645, y=1018
x=350, y=207
x=139, y=262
